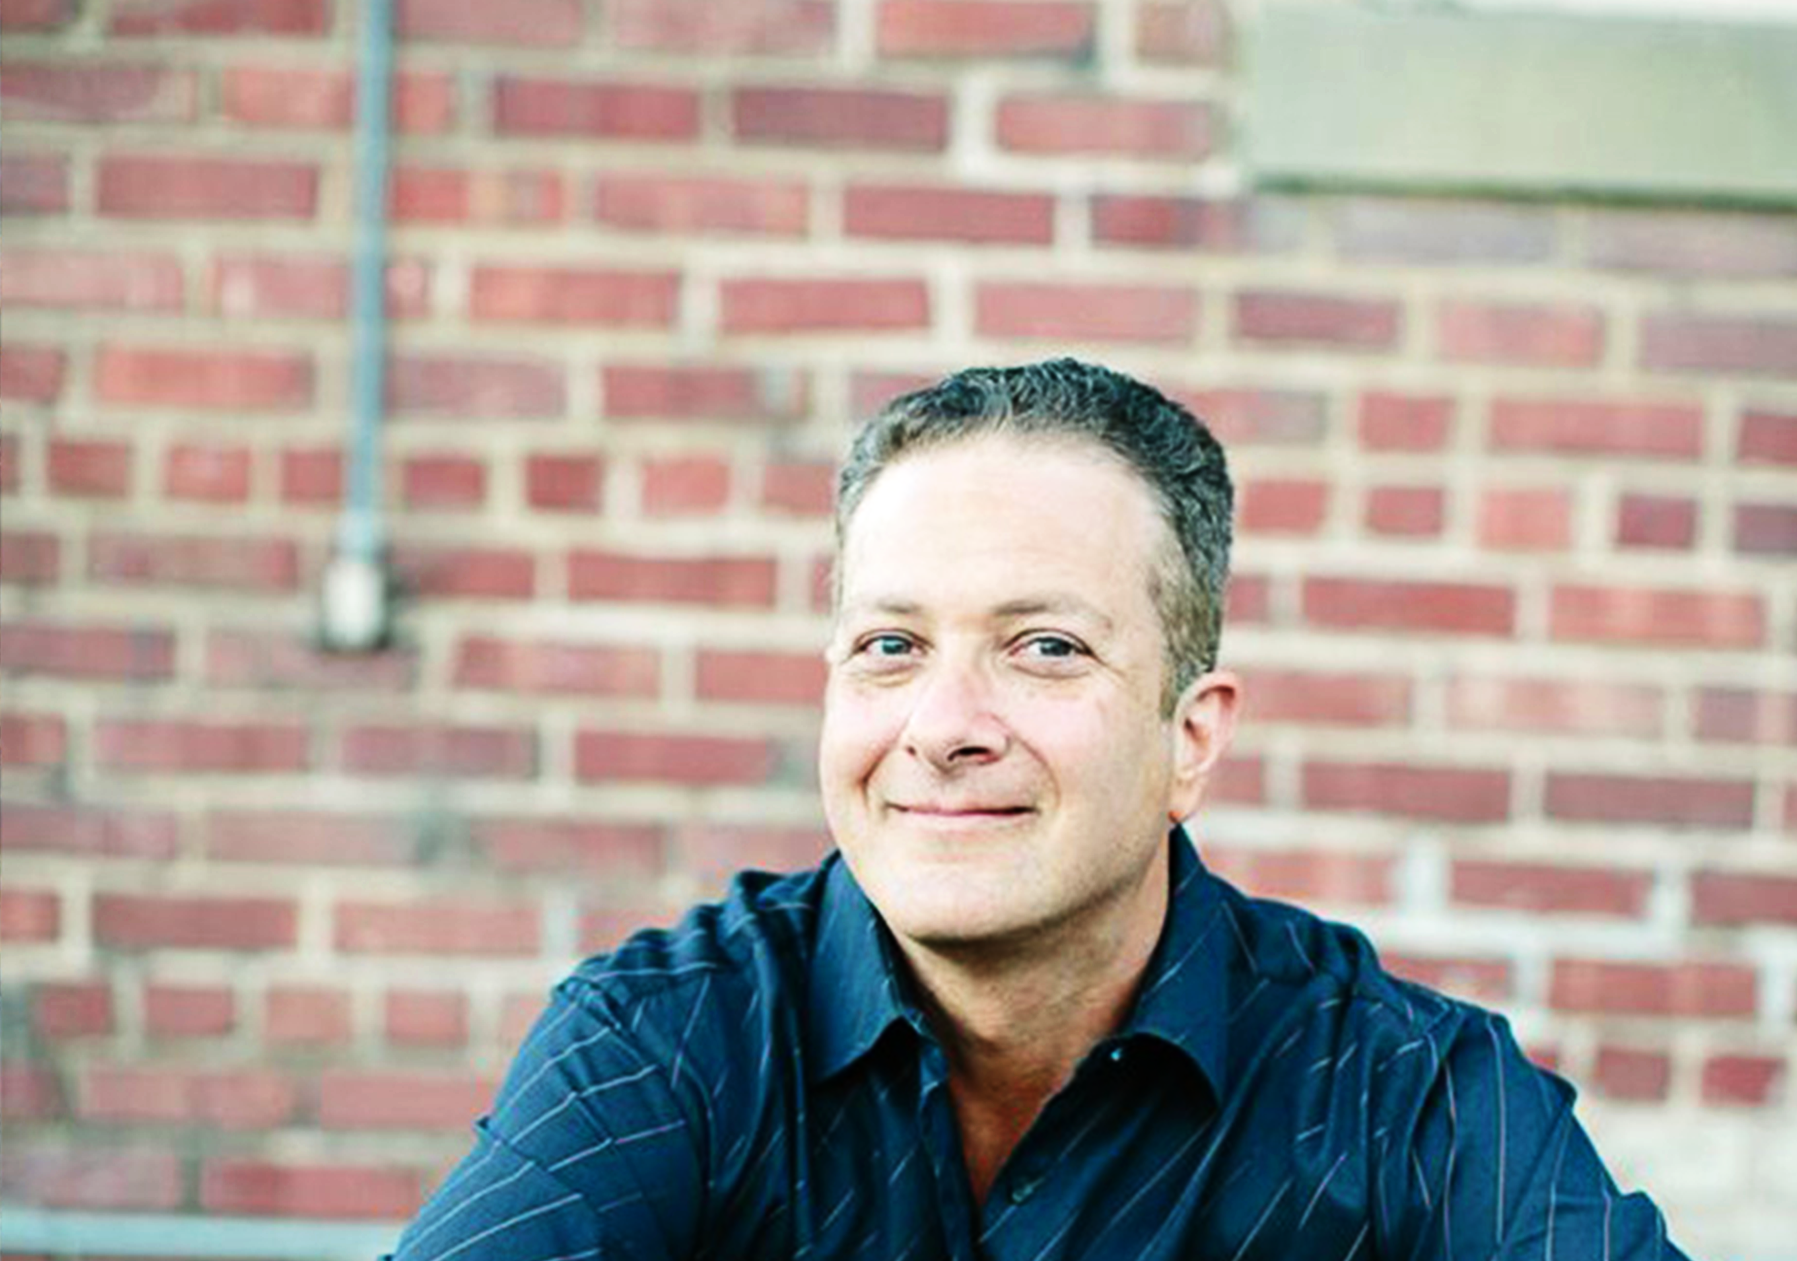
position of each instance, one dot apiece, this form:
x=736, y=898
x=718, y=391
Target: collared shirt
x=760, y=1083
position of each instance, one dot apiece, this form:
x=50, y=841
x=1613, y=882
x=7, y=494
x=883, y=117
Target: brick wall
x=1515, y=599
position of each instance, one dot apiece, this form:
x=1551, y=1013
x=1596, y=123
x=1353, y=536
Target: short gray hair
x=1173, y=452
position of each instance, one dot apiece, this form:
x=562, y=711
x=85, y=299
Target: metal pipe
x=356, y=603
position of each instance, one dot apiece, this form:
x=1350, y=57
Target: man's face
x=996, y=764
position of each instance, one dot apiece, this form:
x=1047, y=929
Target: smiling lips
x=936, y=812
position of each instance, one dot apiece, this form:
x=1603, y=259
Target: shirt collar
x=856, y=993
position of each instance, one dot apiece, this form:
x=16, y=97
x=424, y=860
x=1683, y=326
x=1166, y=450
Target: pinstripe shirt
x=760, y=1083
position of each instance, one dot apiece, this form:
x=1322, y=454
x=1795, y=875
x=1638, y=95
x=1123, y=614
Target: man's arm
x=1493, y=1163
x=587, y=1153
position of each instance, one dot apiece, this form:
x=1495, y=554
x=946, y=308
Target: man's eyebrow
x=1054, y=605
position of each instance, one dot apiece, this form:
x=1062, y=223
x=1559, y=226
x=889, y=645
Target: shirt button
x=1022, y=1189
x=1116, y=1055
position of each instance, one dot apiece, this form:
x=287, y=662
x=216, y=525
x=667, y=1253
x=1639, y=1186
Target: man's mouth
x=972, y=813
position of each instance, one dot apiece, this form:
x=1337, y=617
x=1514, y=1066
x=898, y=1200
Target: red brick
x=1253, y=417
x=86, y=651
x=35, y=15
x=188, y=1011
x=1734, y=345
x=206, y=472
x=607, y=111
x=910, y=212
x=613, y=756
x=1308, y=876
x=1283, y=505
x=1543, y=888
x=1406, y=511
x=288, y=659
x=245, y=1099
x=685, y=486
x=9, y=463
x=72, y=1009
x=298, y=1015
x=614, y=849
x=1742, y=1079
x=1448, y=794
x=88, y=831
x=89, y=468
x=437, y=927
x=1442, y=608
x=703, y=392
x=1636, y=615
x=557, y=669
x=870, y=391
x=1738, y=714
x=563, y=483
x=34, y=184
x=1742, y=246
x=311, y=838
x=714, y=853
x=221, y=17
x=1581, y=427
x=1241, y=781
x=28, y=915
x=1767, y=438
x=1728, y=897
x=755, y=27
x=1765, y=529
x=805, y=489
x=443, y=482
x=702, y=205
x=32, y=739
x=1658, y=521
x=1696, y=990
x=84, y=280
x=29, y=1093
x=425, y=1017
x=307, y=287
x=320, y=99
x=311, y=475
x=143, y=187
x=1233, y=226
x=1183, y=32
x=470, y=573
x=778, y=678
x=175, y=746
x=150, y=921
x=822, y=305
x=1310, y=697
x=984, y=28
x=1525, y=519
x=494, y=752
x=1105, y=126
x=215, y=379
x=1435, y=231
x=283, y=1190
x=1555, y=705
x=245, y=564
x=354, y=1099
x=1669, y=801
x=92, y=1177
x=31, y=374
x=567, y=295
x=97, y=92
x=515, y=197
x=1086, y=311
x=740, y=581
x=484, y=387
x=1317, y=319
x=1631, y=1073
x=1248, y=600
x=1528, y=334
x=858, y=118
x=555, y=24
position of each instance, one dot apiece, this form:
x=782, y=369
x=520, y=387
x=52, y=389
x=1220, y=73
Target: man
x=1015, y=1018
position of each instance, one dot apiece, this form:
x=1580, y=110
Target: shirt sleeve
x=587, y=1155
x=1491, y=1162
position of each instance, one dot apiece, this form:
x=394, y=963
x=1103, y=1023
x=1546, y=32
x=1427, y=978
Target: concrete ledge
x=1352, y=95
x=169, y=1236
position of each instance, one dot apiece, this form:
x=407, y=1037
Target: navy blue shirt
x=760, y=1083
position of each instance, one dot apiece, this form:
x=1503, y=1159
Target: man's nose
x=952, y=721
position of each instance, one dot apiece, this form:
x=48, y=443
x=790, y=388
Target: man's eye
x=1052, y=647
x=886, y=646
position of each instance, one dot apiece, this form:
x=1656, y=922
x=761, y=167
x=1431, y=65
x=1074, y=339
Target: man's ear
x=1203, y=725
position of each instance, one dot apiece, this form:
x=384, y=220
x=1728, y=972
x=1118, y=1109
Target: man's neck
x=1016, y=1021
